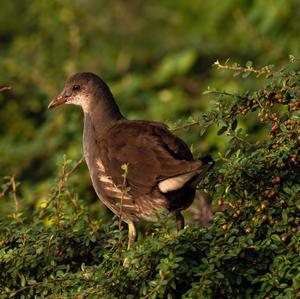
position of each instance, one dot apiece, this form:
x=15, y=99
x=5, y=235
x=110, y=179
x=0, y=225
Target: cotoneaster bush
x=251, y=250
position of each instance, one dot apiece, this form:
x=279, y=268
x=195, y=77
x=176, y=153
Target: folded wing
x=155, y=157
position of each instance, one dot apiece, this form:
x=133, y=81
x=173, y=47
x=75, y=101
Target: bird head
x=82, y=89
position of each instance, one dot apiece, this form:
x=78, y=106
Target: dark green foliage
x=156, y=57
x=251, y=250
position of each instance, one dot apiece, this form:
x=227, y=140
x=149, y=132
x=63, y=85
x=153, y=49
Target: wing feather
x=151, y=151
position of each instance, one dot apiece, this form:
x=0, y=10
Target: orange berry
x=273, y=116
x=248, y=230
x=272, y=193
x=276, y=180
x=225, y=226
x=282, y=202
x=275, y=127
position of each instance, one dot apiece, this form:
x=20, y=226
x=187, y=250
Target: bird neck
x=101, y=118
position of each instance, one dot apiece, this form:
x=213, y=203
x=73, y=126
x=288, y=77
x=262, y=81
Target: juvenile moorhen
x=161, y=173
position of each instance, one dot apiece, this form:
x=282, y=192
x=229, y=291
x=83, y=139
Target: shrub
x=251, y=250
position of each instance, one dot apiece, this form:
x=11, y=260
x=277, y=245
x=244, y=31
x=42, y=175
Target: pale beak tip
x=56, y=102
x=50, y=106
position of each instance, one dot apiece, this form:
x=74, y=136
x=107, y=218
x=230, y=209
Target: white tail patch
x=175, y=183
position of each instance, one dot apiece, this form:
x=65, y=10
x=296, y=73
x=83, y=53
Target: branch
x=68, y=174
x=186, y=125
x=225, y=93
x=14, y=189
x=191, y=124
x=63, y=178
x=250, y=69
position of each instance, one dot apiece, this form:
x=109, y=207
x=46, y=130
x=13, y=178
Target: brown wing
x=151, y=151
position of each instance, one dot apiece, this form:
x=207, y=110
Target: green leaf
x=23, y=280
x=234, y=124
x=276, y=238
x=222, y=130
x=249, y=64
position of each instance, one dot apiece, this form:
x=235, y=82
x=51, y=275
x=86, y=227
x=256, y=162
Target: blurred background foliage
x=156, y=56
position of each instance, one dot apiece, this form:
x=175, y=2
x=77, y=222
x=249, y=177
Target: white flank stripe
x=100, y=166
x=105, y=179
x=174, y=183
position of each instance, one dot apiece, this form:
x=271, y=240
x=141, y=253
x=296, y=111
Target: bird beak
x=58, y=101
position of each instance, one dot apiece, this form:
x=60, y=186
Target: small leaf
x=222, y=130
x=82, y=267
x=202, y=131
x=124, y=167
x=227, y=189
x=23, y=280
x=249, y=64
x=275, y=238
x=234, y=124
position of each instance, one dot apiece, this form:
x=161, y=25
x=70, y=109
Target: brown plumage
x=162, y=174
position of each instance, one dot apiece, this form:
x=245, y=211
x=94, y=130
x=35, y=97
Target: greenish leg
x=132, y=236
x=179, y=221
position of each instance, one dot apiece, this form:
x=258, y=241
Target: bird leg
x=179, y=221
x=132, y=234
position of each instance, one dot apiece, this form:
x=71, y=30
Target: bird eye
x=76, y=87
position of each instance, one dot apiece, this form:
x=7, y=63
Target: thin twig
x=186, y=125
x=264, y=70
x=35, y=285
x=155, y=289
x=14, y=189
x=236, y=137
x=224, y=93
x=122, y=197
x=190, y=124
x=62, y=181
x=68, y=174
